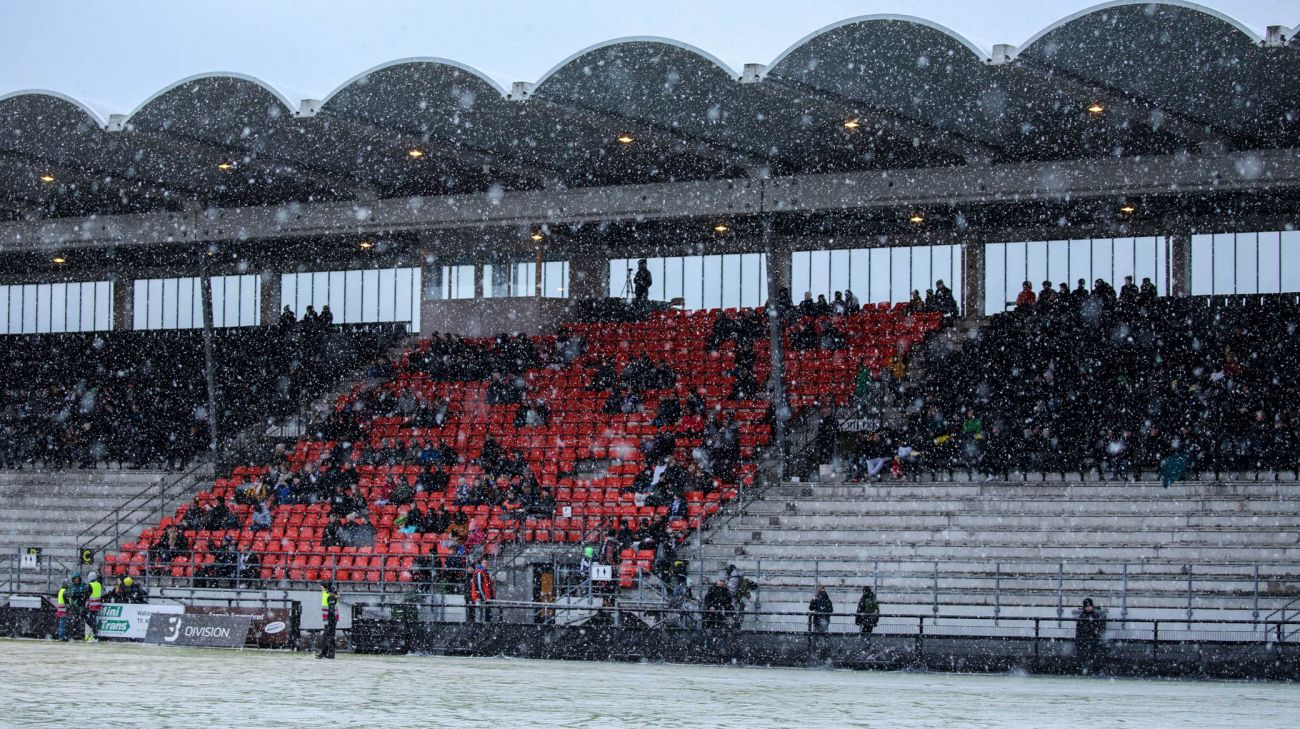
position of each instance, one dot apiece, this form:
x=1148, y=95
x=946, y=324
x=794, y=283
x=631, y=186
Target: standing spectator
x=78, y=599
x=1087, y=635
x=329, y=600
x=482, y=591
x=868, y=614
x=820, y=609
x=944, y=301
x=717, y=603
x=642, y=281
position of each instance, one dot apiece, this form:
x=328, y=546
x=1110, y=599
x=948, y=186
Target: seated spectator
x=220, y=518
x=170, y=546
x=532, y=414
x=261, y=517
x=1025, y=298
x=331, y=535
x=668, y=411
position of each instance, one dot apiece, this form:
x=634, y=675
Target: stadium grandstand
x=988, y=334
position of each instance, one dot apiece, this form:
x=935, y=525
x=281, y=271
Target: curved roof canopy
x=877, y=92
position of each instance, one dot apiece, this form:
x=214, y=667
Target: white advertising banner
x=130, y=621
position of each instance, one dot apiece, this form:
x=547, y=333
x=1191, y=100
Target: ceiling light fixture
x=366, y=245
x=225, y=165
x=720, y=228
x=1127, y=208
x=415, y=153
x=1096, y=108
x=47, y=178
x=917, y=218
x=852, y=123
x=537, y=235
x=58, y=259
x=625, y=139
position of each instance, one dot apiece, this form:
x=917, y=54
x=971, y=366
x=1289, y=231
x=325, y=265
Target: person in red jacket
x=1026, y=298
x=482, y=591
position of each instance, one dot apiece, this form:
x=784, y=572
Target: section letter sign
x=213, y=631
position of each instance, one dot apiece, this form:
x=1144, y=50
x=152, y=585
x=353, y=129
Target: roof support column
x=972, y=278
x=776, y=283
x=123, y=303
x=1180, y=264
x=479, y=284
x=430, y=283
x=271, y=293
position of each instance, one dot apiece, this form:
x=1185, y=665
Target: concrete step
x=1046, y=534
x=815, y=521
x=846, y=506
x=1115, y=552
x=1059, y=491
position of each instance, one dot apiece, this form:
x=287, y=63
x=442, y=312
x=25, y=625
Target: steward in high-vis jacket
x=329, y=612
x=94, y=605
x=61, y=612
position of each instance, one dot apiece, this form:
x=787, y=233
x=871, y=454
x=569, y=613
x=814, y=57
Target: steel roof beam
x=1262, y=171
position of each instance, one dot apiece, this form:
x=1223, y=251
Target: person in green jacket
x=868, y=614
x=77, y=597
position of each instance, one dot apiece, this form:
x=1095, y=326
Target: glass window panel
x=900, y=274
x=58, y=307
x=4, y=309
x=1224, y=256
x=730, y=293
x=1289, y=261
x=1202, y=265
x=1248, y=263
x=839, y=271
x=878, y=284
x=712, y=282
x=800, y=267
x=995, y=267
x=1266, y=249
x=693, y=282
x=859, y=283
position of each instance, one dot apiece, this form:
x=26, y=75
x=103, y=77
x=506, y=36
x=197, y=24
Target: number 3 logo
x=175, y=624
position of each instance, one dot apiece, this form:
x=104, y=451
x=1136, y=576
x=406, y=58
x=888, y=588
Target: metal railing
x=147, y=505
x=1147, y=631
x=1057, y=585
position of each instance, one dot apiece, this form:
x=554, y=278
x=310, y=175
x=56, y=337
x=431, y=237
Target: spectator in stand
x=915, y=304
x=1025, y=298
x=261, y=517
x=851, y=303
x=641, y=282
x=170, y=546
x=820, y=609
x=944, y=301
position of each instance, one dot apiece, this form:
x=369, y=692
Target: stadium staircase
x=62, y=511
x=1198, y=550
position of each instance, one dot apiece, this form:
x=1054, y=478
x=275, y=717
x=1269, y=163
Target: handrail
x=112, y=521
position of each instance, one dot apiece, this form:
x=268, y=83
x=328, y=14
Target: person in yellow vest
x=61, y=612
x=93, y=605
x=329, y=612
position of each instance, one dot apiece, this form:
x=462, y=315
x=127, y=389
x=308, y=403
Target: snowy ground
x=47, y=684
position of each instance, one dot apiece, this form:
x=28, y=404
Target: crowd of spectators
x=140, y=399
x=1089, y=378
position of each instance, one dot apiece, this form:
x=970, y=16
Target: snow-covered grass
x=44, y=684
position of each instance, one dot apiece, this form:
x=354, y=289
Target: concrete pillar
x=123, y=303
x=588, y=277
x=270, y=298
x=478, y=280
x=1180, y=264
x=778, y=266
x=972, y=279
x=538, y=262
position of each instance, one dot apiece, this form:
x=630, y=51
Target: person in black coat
x=717, y=603
x=868, y=614
x=642, y=281
x=820, y=609
x=1087, y=635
